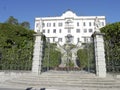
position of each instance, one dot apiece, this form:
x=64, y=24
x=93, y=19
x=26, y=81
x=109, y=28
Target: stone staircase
x=62, y=80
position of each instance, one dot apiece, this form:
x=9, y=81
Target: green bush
x=83, y=57
x=51, y=57
x=16, y=47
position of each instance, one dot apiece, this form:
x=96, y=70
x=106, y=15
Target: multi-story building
x=57, y=28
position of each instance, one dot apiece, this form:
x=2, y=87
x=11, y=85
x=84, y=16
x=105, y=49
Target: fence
x=12, y=58
x=112, y=56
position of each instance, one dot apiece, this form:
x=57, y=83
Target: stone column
x=99, y=54
x=37, y=54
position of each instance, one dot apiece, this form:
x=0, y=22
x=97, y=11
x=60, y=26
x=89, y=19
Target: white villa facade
x=57, y=28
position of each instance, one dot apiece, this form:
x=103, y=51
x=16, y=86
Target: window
x=89, y=23
x=85, y=30
x=48, y=31
x=43, y=24
x=38, y=30
x=54, y=30
x=60, y=39
x=102, y=23
x=53, y=39
x=53, y=24
x=84, y=24
x=69, y=30
x=90, y=30
x=77, y=30
x=60, y=24
x=78, y=39
x=48, y=24
x=85, y=39
x=37, y=24
x=43, y=31
x=60, y=30
x=77, y=23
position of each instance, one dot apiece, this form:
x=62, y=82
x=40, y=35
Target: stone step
x=52, y=81
x=66, y=79
x=63, y=79
x=90, y=85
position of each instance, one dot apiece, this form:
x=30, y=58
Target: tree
x=25, y=24
x=112, y=43
x=16, y=47
x=12, y=20
x=112, y=36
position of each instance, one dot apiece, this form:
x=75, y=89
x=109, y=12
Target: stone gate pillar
x=37, y=53
x=99, y=54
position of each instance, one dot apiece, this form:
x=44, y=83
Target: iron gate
x=89, y=53
x=112, y=56
x=52, y=58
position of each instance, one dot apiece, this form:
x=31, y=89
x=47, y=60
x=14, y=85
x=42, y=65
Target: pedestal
x=99, y=54
x=37, y=54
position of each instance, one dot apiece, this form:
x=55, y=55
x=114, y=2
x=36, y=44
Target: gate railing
x=15, y=59
x=90, y=54
x=112, y=57
x=51, y=58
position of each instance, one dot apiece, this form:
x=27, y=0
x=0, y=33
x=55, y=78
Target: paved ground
x=10, y=89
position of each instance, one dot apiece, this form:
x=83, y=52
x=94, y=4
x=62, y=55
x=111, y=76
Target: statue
x=97, y=24
x=68, y=52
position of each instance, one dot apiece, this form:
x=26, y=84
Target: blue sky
x=27, y=10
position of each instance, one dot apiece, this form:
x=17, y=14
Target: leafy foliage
x=14, y=21
x=16, y=46
x=25, y=24
x=52, y=57
x=112, y=44
x=86, y=57
x=83, y=57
